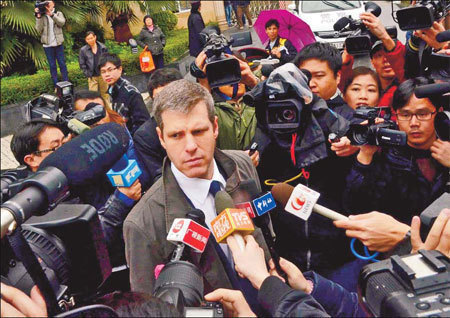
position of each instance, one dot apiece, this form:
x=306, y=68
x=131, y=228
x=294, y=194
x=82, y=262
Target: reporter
x=362, y=88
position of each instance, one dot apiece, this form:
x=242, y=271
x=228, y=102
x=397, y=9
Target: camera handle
x=24, y=253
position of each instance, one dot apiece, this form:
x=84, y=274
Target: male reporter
x=187, y=129
x=398, y=181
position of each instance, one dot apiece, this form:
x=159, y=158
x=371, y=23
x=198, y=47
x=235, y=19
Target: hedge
x=20, y=88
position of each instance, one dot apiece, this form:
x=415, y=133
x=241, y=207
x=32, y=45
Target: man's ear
x=216, y=127
x=29, y=161
x=338, y=77
x=160, y=136
x=120, y=69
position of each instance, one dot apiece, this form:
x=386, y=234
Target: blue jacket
x=326, y=299
x=393, y=183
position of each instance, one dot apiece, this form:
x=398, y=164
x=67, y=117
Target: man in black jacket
x=279, y=47
x=88, y=59
x=125, y=98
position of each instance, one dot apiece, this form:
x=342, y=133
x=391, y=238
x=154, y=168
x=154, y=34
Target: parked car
x=322, y=15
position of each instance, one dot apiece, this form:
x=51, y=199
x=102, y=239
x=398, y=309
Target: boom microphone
x=436, y=89
x=284, y=193
x=90, y=155
x=341, y=23
x=443, y=36
x=230, y=221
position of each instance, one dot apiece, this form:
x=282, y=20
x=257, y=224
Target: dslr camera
x=361, y=40
x=383, y=134
x=414, y=285
x=41, y=5
x=220, y=70
x=422, y=15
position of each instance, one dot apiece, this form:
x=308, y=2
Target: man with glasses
x=399, y=181
x=35, y=140
x=125, y=98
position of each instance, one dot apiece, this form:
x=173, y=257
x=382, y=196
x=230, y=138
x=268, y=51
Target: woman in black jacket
x=195, y=25
x=153, y=37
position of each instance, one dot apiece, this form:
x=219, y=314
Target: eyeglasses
x=38, y=152
x=109, y=70
x=424, y=116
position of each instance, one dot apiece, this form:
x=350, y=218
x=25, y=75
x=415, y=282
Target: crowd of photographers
x=356, y=132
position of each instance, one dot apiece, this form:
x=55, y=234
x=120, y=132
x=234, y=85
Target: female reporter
x=362, y=88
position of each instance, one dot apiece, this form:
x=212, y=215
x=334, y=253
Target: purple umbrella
x=291, y=27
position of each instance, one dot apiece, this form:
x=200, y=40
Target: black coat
x=285, y=56
x=86, y=59
x=195, y=25
x=326, y=176
x=339, y=106
x=394, y=184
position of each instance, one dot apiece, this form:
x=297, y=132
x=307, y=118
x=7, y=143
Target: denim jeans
x=56, y=53
x=228, y=10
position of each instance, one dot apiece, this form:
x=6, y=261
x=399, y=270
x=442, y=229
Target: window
x=183, y=5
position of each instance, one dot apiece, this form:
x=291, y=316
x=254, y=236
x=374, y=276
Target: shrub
x=19, y=88
x=79, y=34
x=166, y=20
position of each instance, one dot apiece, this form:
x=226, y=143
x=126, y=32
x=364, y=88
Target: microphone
x=266, y=69
x=77, y=126
x=301, y=201
x=39, y=193
x=428, y=90
x=90, y=155
x=341, y=23
x=443, y=36
x=230, y=221
x=92, y=113
x=187, y=232
x=124, y=172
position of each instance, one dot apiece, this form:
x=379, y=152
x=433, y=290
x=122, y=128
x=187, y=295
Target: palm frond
x=10, y=50
x=19, y=17
x=35, y=52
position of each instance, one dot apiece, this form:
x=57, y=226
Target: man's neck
x=424, y=146
x=94, y=47
x=385, y=82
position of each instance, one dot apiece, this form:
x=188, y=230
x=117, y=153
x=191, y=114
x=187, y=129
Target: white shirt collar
x=338, y=93
x=197, y=189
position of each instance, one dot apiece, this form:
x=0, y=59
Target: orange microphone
x=230, y=221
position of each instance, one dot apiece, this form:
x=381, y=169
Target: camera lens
x=287, y=116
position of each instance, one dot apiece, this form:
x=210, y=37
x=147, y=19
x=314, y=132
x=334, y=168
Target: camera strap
x=23, y=252
x=294, y=140
x=421, y=49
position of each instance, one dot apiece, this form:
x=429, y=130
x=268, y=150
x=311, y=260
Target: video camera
x=414, y=285
x=375, y=134
x=59, y=108
x=361, y=40
x=422, y=15
x=220, y=70
x=41, y=5
x=280, y=99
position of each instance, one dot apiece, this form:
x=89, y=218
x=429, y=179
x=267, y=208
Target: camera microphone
x=428, y=90
x=443, y=36
x=230, y=221
x=341, y=23
x=266, y=69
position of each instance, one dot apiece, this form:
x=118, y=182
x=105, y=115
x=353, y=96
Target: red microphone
x=188, y=232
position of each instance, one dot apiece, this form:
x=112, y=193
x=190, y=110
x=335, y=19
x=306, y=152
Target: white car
x=322, y=15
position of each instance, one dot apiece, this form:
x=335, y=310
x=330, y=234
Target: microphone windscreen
x=341, y=23
x=443, y=36
x=282, y=192
x=91, y=154
x=428, y=90
x=223, y=201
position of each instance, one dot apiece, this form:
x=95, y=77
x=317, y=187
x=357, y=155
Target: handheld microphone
x=187, y=232
x=39, y=194
x=90, y=155
x=230, y=221
x=443, y=36
x=77, y=126
x=124, y=172
x=300, y=201
x=428, y=90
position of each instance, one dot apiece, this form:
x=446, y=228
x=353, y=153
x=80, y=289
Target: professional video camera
x=67, y=241
x=375, y=134
x=220, y=70
x=59, y=108
x=421, y=15
x=361, y=41
x=41, y=5
x=414, y=285
x=280, y=99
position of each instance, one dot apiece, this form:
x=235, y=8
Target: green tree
x=21, y=48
